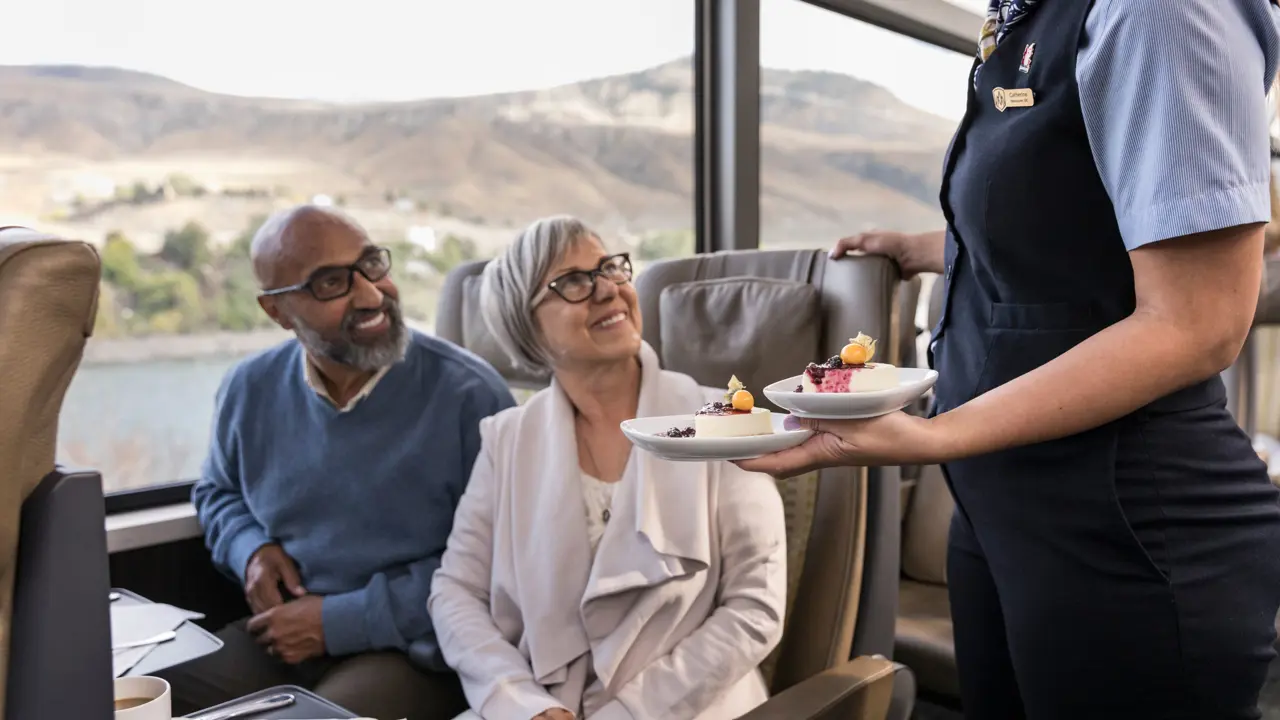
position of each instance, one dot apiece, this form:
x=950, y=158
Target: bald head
x=287, y=245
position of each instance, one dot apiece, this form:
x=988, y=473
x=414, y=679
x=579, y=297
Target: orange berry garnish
x=743, y=401
x=853, y=354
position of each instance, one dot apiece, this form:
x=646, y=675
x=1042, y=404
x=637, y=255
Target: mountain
x=837, y=152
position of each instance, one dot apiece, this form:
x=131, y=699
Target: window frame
x=148, y=496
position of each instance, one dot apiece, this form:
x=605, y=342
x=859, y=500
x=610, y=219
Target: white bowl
x=647, y=434
x=912, y=384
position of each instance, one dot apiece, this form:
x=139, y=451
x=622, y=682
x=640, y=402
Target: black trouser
x=376, y=685
x=1129, y=572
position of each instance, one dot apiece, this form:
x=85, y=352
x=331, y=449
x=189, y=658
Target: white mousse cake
x=850, y=371
x=737, y=416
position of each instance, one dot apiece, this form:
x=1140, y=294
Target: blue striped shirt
x=1174, y=101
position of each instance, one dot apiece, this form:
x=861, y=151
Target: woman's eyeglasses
x=335, y=281
x=579, y=285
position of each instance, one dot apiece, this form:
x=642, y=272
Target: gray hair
x=513, y=280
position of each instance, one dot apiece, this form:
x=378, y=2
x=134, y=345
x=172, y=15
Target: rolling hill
x=838, y=152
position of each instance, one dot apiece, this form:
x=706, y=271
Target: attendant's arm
x=231, y=531
x=1181, y=142
x=496, y=677
x=744, y=628
x=390, y=611
x=1196, y=299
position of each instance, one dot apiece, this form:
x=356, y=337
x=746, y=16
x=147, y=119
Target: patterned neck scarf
x=1002, y=16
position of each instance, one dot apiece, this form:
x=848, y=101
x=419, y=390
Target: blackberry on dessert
x=850, y=371
x=735, y=416
x=720, y=408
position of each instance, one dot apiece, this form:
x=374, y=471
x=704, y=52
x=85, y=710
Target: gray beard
x=346, y=351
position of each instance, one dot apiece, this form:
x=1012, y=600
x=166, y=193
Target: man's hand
x=268, y=567
x=554, y=714
x=293, y=631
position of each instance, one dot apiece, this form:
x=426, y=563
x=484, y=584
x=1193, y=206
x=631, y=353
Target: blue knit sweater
x=362, y=500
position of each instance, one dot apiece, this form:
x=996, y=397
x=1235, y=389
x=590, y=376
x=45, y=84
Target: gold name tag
x=1015, y=98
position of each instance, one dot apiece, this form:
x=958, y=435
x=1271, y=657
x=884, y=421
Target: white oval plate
x=912, y=383
x=646, y=434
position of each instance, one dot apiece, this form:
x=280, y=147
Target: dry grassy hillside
x=838, y=153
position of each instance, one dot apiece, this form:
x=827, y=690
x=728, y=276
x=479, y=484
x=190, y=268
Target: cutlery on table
x=268, y=703
x=165, y=636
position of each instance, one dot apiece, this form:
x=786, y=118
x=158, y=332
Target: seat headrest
x=764, y=314
x=48, y=303
x=458, y=320
x=754, y=328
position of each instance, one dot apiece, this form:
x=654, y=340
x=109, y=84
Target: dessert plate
x=647, y=434
x=912, y=383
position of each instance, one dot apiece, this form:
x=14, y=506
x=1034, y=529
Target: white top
x=597, y=496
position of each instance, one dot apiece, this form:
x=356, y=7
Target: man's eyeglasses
x=334, y=281
x=579, y=285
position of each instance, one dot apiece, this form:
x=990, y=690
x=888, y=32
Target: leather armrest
x=861, y=689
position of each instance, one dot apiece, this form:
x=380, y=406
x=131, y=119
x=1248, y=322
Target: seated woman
x=582, y=578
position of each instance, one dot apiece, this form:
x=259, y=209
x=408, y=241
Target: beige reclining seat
x=48, y=302
x=925, y=642
x=1256, y=366
x=762, y=315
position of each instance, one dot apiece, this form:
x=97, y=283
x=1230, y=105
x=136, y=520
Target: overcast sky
x=410, y=49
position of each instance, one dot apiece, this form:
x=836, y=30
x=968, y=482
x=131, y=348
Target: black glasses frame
x=351, y=269
x=554, y=286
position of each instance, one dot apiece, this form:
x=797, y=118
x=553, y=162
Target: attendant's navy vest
x=1035, y=262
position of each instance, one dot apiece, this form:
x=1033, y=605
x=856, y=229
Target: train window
x=854, y=124
x=165, y=137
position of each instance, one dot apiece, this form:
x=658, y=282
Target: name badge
x=1015, y=98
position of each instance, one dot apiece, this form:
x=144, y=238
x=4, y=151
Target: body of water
x=141, y=423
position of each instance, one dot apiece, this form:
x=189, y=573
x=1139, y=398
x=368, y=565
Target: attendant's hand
x=293, y=631
x=894, y=439
x=268, y=567
x=554, y=714
x=914, y=253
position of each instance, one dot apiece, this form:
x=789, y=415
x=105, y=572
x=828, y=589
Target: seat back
x=1254, y=370
x=61, y=636
x=763, y=315
x=927, y=518
x=48, y=301
x=458, y=320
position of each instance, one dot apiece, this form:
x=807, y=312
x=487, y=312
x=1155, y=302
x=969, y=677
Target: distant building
x=422, y=236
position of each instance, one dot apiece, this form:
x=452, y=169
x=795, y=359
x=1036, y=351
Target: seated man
x=336, y=463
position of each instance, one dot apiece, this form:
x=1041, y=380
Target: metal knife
x=268, y=703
